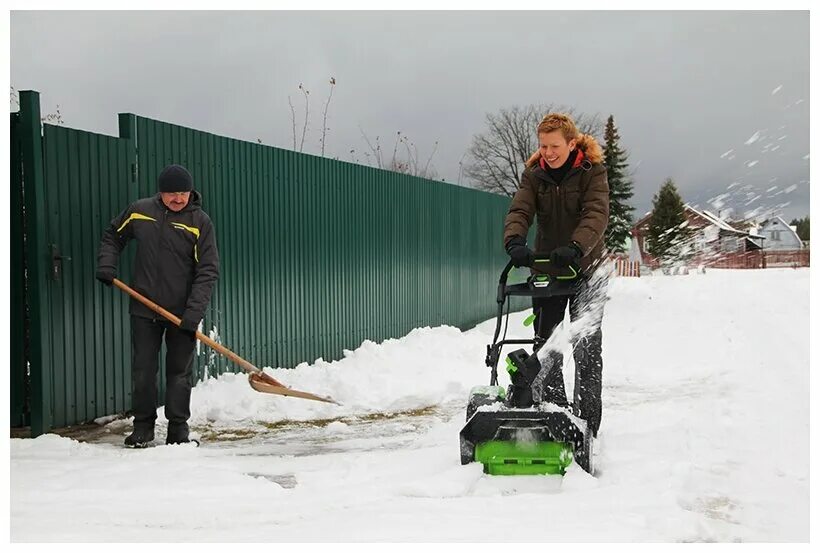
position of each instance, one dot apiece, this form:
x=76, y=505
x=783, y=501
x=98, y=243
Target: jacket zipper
x=162, y=242
x=557, y=200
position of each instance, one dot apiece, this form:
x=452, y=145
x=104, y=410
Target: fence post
x=19, y=327
x=38, y=259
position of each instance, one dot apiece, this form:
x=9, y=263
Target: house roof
x=642, y=220
x=786, y=226
x=720, y=222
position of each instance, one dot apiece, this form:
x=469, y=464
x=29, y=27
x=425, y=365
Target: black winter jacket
x=177, y=262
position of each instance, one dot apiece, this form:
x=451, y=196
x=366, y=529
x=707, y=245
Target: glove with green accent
x=518, y=251
x=565, y=256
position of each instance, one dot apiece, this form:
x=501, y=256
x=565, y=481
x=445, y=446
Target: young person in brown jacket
x=564, y=185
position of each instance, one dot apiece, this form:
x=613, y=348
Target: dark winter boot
x=588, y=382
x=177, y=434
x=140, y=437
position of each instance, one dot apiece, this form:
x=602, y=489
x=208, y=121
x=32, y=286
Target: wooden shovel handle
x=245, y=365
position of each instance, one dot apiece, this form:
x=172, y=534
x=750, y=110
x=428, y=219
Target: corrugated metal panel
x=87, y=182
x=318, y=255
x=17, y=371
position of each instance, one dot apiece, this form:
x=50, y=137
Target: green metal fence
x=317, y=255
x=18, y=369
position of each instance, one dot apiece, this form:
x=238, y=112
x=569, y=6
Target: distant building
x=778, y=235
x=713, y=236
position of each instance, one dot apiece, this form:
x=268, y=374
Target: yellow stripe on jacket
x=192, y=230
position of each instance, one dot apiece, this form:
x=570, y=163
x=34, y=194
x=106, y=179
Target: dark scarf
x=558, y=174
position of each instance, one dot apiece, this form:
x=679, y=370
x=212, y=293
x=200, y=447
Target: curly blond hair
x=559, y=121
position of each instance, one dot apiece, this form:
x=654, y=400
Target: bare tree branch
x=324, y=117
x=293, y=121
x=306, y=92
x=429, y=159
x=408, y=166
x=395, y=148
x=376, y=150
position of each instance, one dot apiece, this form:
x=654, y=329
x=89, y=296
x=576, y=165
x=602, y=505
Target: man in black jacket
x=176, y=266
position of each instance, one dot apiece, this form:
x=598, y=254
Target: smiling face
x=175, y=201
x=554, y=148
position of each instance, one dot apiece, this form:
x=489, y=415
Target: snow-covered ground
x=705, y=437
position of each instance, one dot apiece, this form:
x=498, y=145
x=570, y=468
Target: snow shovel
x=258, y=380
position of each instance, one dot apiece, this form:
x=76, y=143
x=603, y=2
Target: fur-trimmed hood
x=592, y=150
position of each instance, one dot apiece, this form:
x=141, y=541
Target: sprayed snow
x=754, y=138
x=704, y=438
x=719, y=201
x=777, y=89
x=752, y=163
x=724, y=154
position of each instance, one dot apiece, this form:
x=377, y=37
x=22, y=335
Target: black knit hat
x=175, y=178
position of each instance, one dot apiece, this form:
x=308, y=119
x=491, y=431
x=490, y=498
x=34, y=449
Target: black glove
x=566, y=255
x=518, y=251
x=189, y=324
x=106, y=276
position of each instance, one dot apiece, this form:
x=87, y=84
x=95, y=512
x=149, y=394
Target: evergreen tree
x=803, y=229
x=668, y=236
x=620, y=190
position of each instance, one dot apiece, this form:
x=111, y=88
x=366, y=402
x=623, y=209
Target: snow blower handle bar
x=540, y=265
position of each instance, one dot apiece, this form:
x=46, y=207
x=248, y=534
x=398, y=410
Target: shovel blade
x=267, y=385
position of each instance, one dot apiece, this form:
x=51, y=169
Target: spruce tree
x=620, y=190
x=803, y=227
x=667, y=238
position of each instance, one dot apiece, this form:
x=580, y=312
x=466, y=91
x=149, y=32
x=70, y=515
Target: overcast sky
x=685, y=87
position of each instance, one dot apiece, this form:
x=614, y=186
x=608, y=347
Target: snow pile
x=428, y=367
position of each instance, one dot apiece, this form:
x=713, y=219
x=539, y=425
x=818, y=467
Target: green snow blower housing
x=508, y=431
x=508, y=458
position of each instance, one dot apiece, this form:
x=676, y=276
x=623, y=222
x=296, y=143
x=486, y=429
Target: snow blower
x=513, y=432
